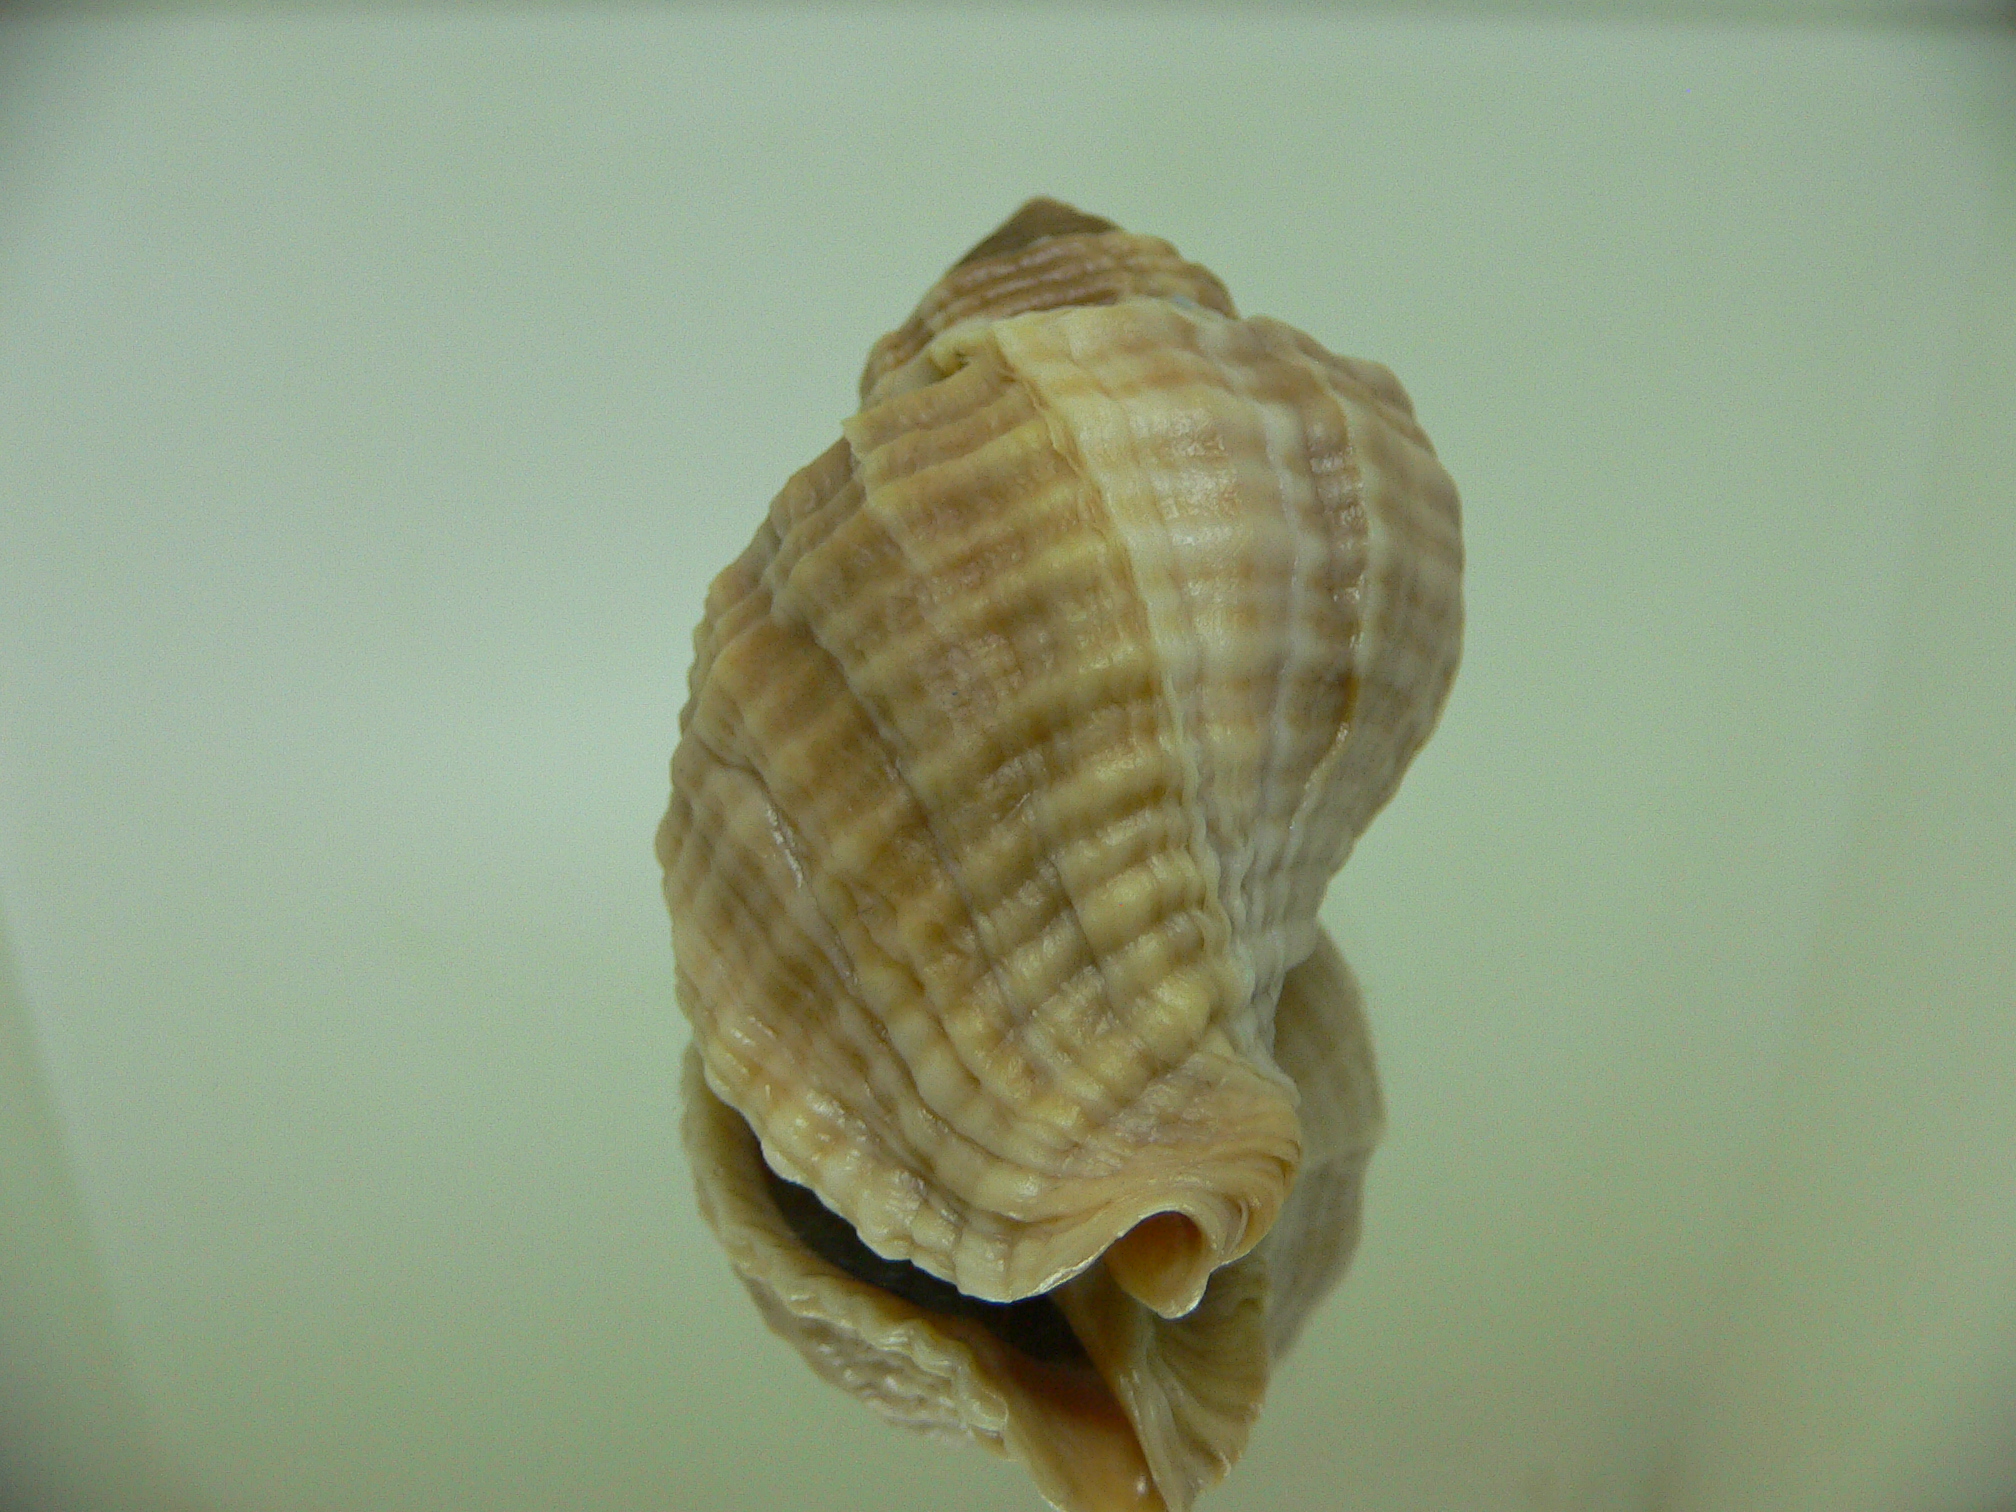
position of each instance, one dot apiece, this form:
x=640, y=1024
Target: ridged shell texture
x=1022, y=743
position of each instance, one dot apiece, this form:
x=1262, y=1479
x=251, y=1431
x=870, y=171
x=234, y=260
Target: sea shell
x=1026, y=1095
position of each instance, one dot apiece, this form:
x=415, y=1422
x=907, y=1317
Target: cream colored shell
x=1151, y=1410
x=1022, y=743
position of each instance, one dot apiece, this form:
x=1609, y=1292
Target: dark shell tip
x=1038, y=219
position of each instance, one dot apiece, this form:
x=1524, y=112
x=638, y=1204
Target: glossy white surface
x=379, y=392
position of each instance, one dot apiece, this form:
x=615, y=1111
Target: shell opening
x=1034, y=1326
x=1087, y=1451
x=1163, y=1263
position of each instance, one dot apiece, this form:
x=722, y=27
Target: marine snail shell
x=1026, y=1094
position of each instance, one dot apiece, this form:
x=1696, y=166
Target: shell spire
x=1046, y=256
x=1021, y=745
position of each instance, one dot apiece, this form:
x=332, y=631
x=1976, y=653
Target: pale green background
x=378, y=392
